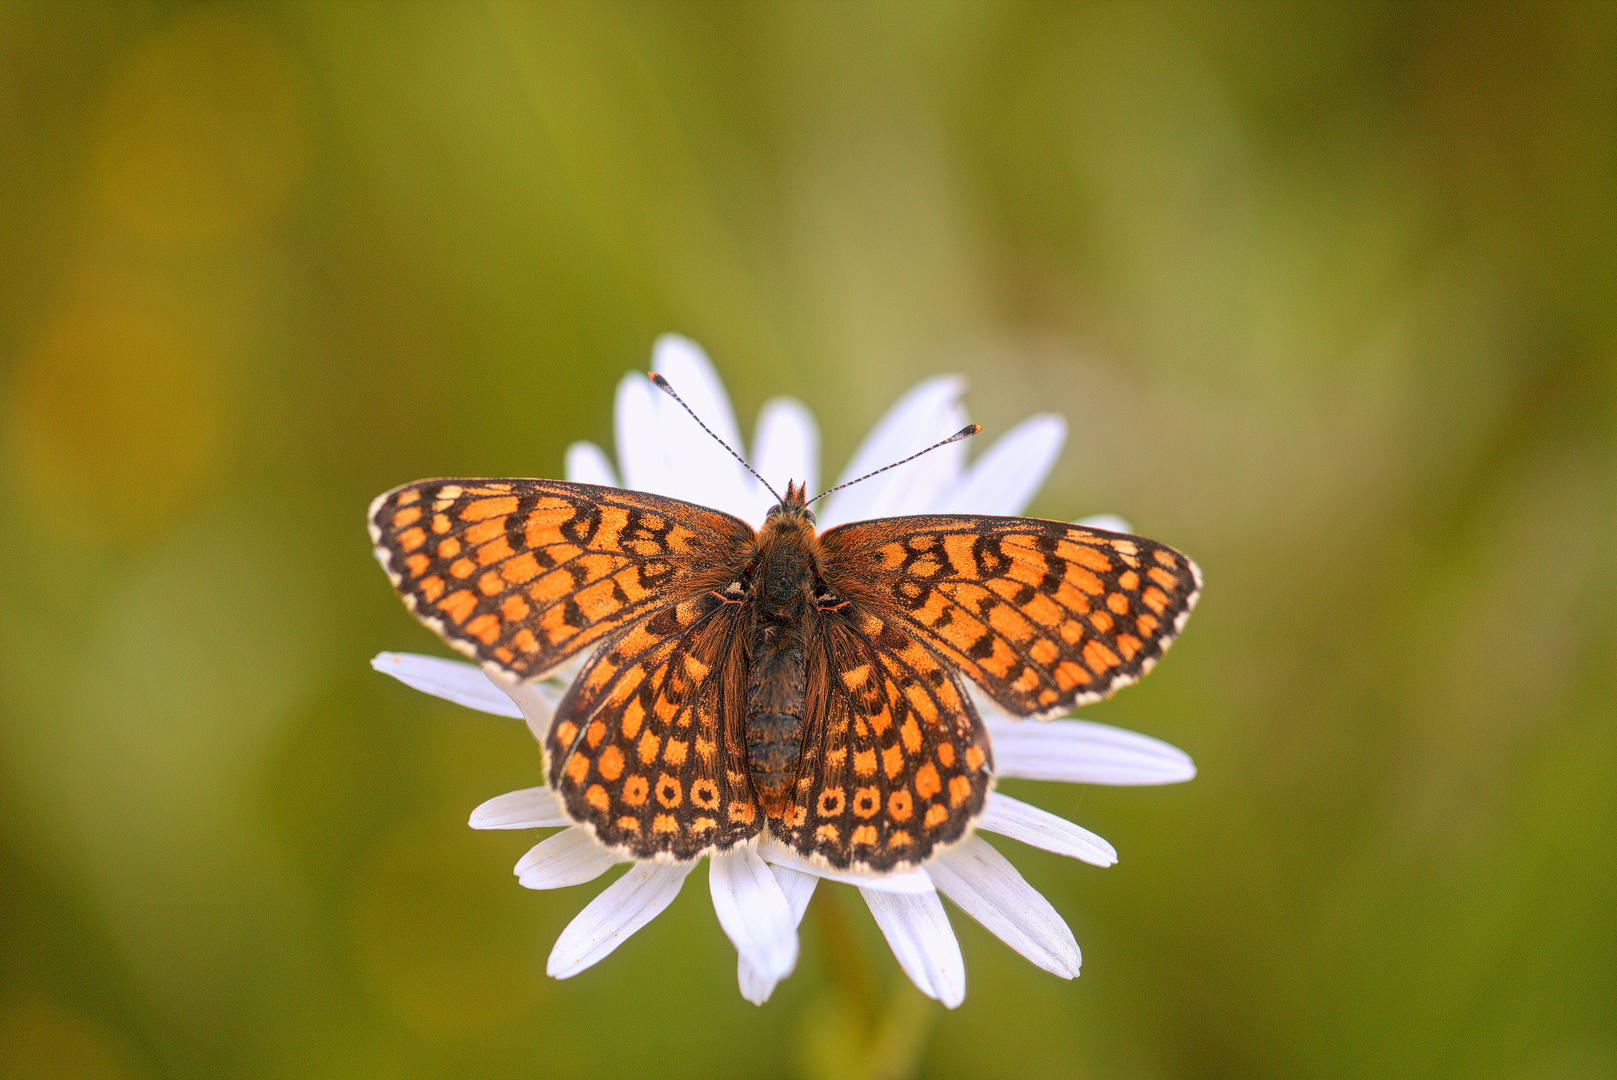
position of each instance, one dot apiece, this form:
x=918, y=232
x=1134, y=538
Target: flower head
x=761, y=889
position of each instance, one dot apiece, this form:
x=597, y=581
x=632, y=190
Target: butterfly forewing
x=520, y=575
x=896, y=761
x=640, y=750
x=1043, y=615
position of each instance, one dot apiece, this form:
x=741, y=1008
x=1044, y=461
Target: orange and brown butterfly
x=811, y=685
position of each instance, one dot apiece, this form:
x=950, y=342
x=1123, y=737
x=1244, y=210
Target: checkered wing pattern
x=645, y=746
x=895, y=758
x=1043, y=615
x=520, y=575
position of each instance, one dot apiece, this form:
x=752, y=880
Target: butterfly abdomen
x=776, y=668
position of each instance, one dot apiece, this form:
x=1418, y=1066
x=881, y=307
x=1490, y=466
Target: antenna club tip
x=658, y=379
x=971, y=429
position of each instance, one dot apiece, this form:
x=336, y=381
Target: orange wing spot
x=448, y=547
x=1099, y=657
x=795, y=817
x=525, y=641
x=936, y=815
x=864, y=834
x=835, y=759
x=1048, y=696
x=634, y=714
x=1101, y=621
x=597, y=797
x=515, y=609
x=636, y=789
x=900, y=839
x=946, y=755
x=695, y=668
x=881, y=721
x=407, y=517
x=1086, y=581
x=450, y=492
x=408, y=497
x=892, y=556
x=664, y=823
x=1071, y=599
x=1069, y=675
x=459, y=605
x=578, y=767
x=1165, y=559
x=866, y=801
x=649, y=745
x=705, y=748
x=494, y=551
x=417, y=564
x=910, y=734
x=925, y=567
x=959, y=790
x=504, y=655
x=1128, y=644
x=1044, y=651
x=490, y=584
x=975, y=758
x=864, y=762
x=483, y=532
x=892, y=761
x=831, y=802
x=1155, y=599
x=478, y=509
x=485, y=628
x=1085, y=556
x=1129, y=580
x=854, y=678
x=1162, y=577
x=957, y=548
x=594, y=734
x=1009, y=623
x=1118, y=603
x=566, y=732
x=920, y=542
x=440, y=523
x=611, y=763
x=742, y=812
x=1026, y=681
x=675, y=752
x=1043, y=610
x=462, y=568
x=927, y=781
x=1145, y=624
x=827, y=832
x=412, y=538
x=628, y=824
x=705, y=794
x=670, y=792
x=899, y=805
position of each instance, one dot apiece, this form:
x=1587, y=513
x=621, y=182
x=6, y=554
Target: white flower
x=760, y=890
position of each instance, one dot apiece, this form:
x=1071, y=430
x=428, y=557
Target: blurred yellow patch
x=42, y=1039
x=205, y=129
x=118, y=421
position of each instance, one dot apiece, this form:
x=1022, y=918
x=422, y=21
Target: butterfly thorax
x=783, y=579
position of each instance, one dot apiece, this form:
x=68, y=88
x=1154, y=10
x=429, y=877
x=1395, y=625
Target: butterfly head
x=794, y=504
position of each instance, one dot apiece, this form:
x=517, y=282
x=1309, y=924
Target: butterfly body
x=809, y=685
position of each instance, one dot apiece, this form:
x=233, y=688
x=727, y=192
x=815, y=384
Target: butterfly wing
x=520, y=575
x=1043, y=615
x=895, y=758
x=640, y=750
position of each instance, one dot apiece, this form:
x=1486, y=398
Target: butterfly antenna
x=964, y=433
x=662, y=384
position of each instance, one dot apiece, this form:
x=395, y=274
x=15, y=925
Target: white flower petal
x=571, y=857
x=1081, y=752
x=607, y=921
x=588, y=464
x=530, y=808
x=537, y=700
x=1006, y=477
x=1042, y=829
x=753, y=911
x=452, y=680
x=929, y=412
x=918, y=932
x=798, y=888
x=642, y=445
x=912, y=883
x=786, y=446
x=987, y=887
x=1109, y=522
x=700, y=470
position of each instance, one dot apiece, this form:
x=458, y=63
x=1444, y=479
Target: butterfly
x=808, y=685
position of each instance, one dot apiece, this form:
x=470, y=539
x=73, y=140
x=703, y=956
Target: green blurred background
x=1327, y=293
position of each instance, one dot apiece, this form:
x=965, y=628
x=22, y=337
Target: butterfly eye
x=773, y=510
x=810, y=515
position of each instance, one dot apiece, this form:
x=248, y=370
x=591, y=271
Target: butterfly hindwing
x=895, y=759
x=641, y=750
x=1043, y=615
x=520, y=575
